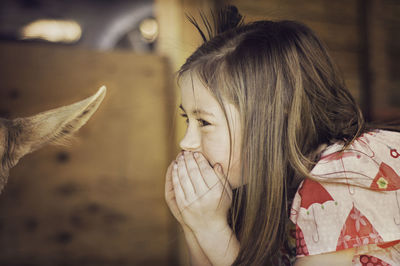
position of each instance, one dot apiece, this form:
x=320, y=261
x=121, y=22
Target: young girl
x=267, y=112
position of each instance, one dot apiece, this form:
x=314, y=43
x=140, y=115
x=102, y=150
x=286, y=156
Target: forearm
x=220, y=246
x=196, y=254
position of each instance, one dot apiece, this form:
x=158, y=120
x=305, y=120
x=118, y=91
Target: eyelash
x=202, y=122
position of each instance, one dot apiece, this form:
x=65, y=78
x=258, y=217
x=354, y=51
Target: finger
x=179, y=154
x=223, y=179
x=219, y=172
x=194, y=173
x=184, y=179
x=169, y=192
x=179, y=193
x=210, y=178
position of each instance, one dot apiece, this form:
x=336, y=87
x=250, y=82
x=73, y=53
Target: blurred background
x=100, y=201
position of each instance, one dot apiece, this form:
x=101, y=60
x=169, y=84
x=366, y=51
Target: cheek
x=216, y=149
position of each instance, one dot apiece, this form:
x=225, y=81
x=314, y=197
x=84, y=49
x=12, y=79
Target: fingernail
x=219, y=168
x=196, y=155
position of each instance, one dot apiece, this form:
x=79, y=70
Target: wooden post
x=177, y=40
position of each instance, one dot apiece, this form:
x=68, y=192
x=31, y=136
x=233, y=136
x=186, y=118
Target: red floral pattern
x=357, y=231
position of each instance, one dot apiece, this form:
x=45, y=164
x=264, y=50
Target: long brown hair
x=291, y=100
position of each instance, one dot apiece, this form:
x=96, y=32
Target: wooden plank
x=317, y=10
x=392, y=11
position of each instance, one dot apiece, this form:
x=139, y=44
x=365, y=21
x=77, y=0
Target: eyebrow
x=197, y=111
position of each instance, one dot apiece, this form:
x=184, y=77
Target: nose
x=191, y=141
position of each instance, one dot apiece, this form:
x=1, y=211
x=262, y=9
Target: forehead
x=195, y=95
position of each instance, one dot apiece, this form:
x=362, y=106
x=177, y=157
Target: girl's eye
x=186, y=118
x=203, y=123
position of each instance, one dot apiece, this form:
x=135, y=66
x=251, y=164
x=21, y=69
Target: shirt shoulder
x=353, y=200
x=363, y=163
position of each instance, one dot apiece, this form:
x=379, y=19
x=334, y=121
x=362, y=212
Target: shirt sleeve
x=354, y=200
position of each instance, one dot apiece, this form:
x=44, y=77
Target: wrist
x=219, y=243
x=214, y=228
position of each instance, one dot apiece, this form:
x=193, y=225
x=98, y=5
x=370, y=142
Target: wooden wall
x=383, y=29
x=99, y=201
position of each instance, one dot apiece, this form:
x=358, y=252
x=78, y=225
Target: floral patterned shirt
x=354, y=201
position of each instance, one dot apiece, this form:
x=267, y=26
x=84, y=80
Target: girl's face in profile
x=207, y=128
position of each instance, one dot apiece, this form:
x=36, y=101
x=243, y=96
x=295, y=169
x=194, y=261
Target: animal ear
x=55, y=126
